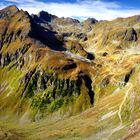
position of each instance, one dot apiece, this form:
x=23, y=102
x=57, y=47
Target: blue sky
x=81, y=9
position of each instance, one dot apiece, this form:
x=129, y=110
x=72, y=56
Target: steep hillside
x=37, y=70
x=65, y=79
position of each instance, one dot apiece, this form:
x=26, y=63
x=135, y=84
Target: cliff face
x=54, y=68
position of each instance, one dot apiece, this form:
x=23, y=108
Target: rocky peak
x=44, y=17
x=8, y=11
x=90, y=21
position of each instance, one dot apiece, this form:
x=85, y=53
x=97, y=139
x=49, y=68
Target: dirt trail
x=130, y=85
x=121, y=126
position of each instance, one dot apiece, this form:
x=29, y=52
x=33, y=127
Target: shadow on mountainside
x=47, y=37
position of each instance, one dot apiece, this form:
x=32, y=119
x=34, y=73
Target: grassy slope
x=101, y=121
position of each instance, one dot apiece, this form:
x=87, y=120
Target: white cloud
x=82, y=8
x=20, y=1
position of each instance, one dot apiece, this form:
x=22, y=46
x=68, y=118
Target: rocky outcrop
x=131, y=35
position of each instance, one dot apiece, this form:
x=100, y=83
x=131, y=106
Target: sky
x=80, y=9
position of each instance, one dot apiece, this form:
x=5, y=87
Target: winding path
x=130, y=85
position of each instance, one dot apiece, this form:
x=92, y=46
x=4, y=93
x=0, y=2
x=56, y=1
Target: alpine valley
x=62, y=79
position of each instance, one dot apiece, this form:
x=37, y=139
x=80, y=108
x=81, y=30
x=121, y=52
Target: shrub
x=55, y=105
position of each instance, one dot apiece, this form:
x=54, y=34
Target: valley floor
x=102, y=122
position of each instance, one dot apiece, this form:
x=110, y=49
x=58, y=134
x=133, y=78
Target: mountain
x=44, y=17
x=65, y=79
